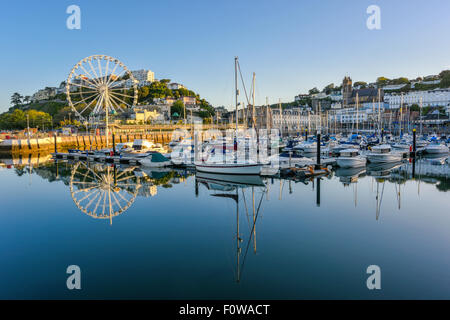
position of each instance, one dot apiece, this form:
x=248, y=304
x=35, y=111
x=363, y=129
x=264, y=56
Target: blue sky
x=291, y=45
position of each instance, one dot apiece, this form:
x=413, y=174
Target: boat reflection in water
x=229, y=187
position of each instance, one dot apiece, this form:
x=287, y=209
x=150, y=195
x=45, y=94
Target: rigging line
x=245, y=205
x=243, y=83
x=251, y=234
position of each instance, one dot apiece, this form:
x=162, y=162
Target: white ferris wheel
x=98, y=86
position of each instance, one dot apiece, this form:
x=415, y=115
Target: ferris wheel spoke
x=113, y=196
x=98, y=106
x=111, y=74
x=100, y=71
x=81, y=86
x=115, y=104
x=93, y=70
x=106, y=71
x=87, y=106
x=117, y=78
x=93, y=79
x=84, y=182
x=83, y=100
x=92, y=200
x=87, y=196
x=96, y=174
x=123, y=198
x=79, y=76
x=81, y=92
x=125, y=95
x=99, y=201
x=117, y=98
x=85, y=189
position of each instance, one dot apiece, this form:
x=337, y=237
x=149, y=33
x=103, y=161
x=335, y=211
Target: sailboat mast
x=236, y=90
x=357, y=113
x=281, y=117
x=253, y=102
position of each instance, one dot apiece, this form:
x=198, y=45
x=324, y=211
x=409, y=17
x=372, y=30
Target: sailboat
x=235, y=163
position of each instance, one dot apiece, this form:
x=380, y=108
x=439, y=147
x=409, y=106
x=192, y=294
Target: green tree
x=362, y=84
x=445, y=79
x=16, y=99
x=313, y=91
x=178, y=107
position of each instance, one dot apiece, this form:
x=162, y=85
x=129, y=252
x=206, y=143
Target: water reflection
x=228, y=186
x=101, y=191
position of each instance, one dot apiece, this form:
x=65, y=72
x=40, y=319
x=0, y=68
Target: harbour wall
x=80, y=142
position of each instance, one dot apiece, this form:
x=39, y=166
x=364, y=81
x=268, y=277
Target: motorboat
x=153, y=159
x=383, y=154
x=436, y=148
x=350, y=158
x=142, y=146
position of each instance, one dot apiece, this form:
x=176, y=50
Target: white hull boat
x=350, y=158
x=436, y=148
x=229, y=168
x=351, y=162
x=383, y=154
x=154, y=160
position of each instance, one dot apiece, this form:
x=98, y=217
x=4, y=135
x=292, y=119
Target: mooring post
x=56, y=147
x=318, y=192
x=114, y=144
x=414, y=142
x=382, y=134
x=318, y=150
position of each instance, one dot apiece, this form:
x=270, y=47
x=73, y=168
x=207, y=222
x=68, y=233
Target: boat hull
x=351, y=162
x=384, y=157
x=436, y=149
x=249, y=169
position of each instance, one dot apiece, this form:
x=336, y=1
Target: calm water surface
x=172, y=235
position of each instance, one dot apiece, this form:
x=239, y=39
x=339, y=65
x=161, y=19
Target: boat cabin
x=141, y=144
x=385, y=148
x=349, y=153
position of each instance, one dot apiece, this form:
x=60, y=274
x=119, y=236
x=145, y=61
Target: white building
x=290, y=119
x=144, y=75
x=349, y=115
x=175, y=86
x=432, y=98
x=44, y=94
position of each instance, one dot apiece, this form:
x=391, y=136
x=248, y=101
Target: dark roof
x=367, y=92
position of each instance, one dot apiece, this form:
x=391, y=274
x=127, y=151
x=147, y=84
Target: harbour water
x=169, y=234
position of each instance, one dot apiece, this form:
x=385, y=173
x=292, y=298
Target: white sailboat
x=235, y=163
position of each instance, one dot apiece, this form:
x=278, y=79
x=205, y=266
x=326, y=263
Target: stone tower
x=346, y=91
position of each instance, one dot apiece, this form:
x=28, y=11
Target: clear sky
x=291, y=45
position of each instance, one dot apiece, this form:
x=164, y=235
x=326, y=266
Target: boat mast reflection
x=231, y=185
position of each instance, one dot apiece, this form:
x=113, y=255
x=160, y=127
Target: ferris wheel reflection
x=103, y=192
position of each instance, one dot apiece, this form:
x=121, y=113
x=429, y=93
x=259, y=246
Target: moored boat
x=383, y=154
x=350, y=158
